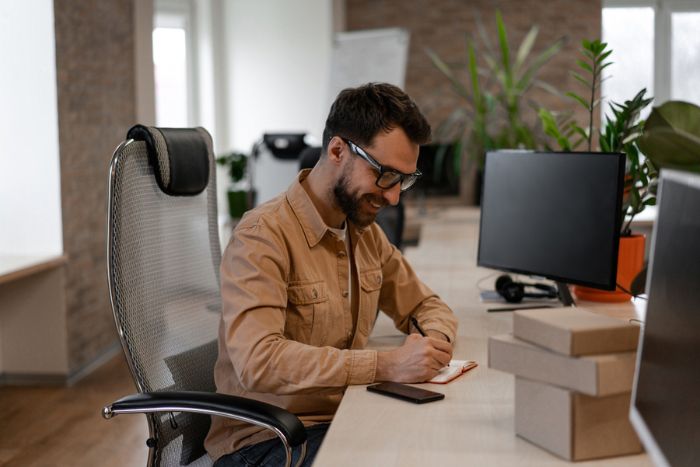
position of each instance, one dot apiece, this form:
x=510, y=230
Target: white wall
x=278, y=63
x=30, y=194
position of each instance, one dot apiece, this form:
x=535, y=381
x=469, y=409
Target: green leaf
x=578, y=99
x=584, y=65
x=546, y=86
x=581, y=131
x=672, y=136
x=581, y=79
x=603, y=56
x=676, y=114
x=669, y=147
x=447, y=71
x=604, y=66
x=551, y=128
x=525, y=48
x=505, y=51
x=474, y=78
x=538, y=62
x=631, y=137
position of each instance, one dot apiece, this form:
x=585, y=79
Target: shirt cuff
x=445, y=330
x=363, y=367
x=440, y=333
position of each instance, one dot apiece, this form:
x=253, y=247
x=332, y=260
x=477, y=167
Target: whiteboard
x=359, y=57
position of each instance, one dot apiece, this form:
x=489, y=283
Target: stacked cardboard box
x=574, y=371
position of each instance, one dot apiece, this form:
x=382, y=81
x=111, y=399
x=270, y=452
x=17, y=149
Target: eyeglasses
x=387, y=178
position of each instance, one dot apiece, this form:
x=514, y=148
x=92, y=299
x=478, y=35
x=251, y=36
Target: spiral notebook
x=453, y=370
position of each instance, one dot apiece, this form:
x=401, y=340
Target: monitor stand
x=565, y=294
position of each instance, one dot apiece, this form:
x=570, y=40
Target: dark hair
x=359, y=114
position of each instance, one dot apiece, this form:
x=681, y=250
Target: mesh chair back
x=164, y=258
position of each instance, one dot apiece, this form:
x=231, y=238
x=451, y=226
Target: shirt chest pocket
x=371, y=281
x=307, y=312
x=371, y=285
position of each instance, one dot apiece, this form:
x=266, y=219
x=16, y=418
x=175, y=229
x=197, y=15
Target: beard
x=351, y=203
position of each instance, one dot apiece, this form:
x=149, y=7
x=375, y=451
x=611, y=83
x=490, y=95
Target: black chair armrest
x=255, y=412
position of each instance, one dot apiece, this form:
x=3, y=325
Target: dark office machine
x=552, y=215
x=666, y=397
x=437, y=164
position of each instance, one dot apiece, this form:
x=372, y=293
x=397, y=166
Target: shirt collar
x=309, y=218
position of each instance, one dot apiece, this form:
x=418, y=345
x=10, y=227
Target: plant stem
x=627, y=229
x=590, y=107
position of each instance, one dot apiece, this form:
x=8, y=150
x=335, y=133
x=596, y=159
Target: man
x=305, y=273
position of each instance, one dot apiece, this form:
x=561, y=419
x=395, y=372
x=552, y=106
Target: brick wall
x=443, y=25
x=95, y=80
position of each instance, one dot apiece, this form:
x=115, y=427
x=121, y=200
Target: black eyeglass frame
x=410, y=179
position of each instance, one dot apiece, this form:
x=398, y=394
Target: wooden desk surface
x=474, y=424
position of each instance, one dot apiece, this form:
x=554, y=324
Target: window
x=172, y=61
x=685, y=53
x=630, y=34
x=656, y=45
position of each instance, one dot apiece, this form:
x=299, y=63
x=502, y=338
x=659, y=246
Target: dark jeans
x=271, y=453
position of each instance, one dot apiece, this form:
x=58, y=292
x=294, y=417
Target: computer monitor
x=665, y=407
x=553, y=215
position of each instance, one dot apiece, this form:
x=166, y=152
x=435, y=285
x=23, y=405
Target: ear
x=336, y=148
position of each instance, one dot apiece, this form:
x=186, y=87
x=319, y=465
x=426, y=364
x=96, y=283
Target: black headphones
x=514, y=292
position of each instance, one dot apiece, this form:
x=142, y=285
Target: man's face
x=355, y=190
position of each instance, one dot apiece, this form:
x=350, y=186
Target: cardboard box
x=575, y=331
x=571, y=425
x=595, y=375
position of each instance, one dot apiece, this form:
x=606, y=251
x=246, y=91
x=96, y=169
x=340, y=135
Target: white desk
x=474, y=424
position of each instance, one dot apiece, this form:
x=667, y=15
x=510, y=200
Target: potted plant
x=492, y=115
x=239, y=194
x=620, y=133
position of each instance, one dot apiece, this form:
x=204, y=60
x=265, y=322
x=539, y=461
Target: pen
x=417, y=326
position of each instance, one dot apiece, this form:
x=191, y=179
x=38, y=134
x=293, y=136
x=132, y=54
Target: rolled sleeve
x=404, y=295
x=363, y=367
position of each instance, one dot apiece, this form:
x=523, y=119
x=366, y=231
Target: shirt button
x=345, y=293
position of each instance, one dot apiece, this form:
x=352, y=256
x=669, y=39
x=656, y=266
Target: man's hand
x=417, y=360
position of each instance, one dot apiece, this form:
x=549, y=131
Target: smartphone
x=405, y=392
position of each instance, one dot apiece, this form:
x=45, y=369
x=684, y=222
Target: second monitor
x=554, y=215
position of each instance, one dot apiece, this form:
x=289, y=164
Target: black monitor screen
x=666, y=401
x=555, y=215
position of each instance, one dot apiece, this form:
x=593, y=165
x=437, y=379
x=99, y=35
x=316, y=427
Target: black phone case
x=406, y=393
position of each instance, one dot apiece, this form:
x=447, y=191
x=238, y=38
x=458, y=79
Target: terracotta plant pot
x=630, y=261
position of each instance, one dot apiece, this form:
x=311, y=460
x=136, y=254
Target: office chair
x=163, y=268
x=391, y=218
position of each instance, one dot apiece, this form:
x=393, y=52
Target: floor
x=52, y=426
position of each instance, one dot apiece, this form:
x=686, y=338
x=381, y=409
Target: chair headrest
x=180, y=157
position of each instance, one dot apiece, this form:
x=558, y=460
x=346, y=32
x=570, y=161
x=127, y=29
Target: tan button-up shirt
x=287, y=334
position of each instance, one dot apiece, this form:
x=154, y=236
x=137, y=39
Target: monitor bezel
x=636, y=418
x=611, y=283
